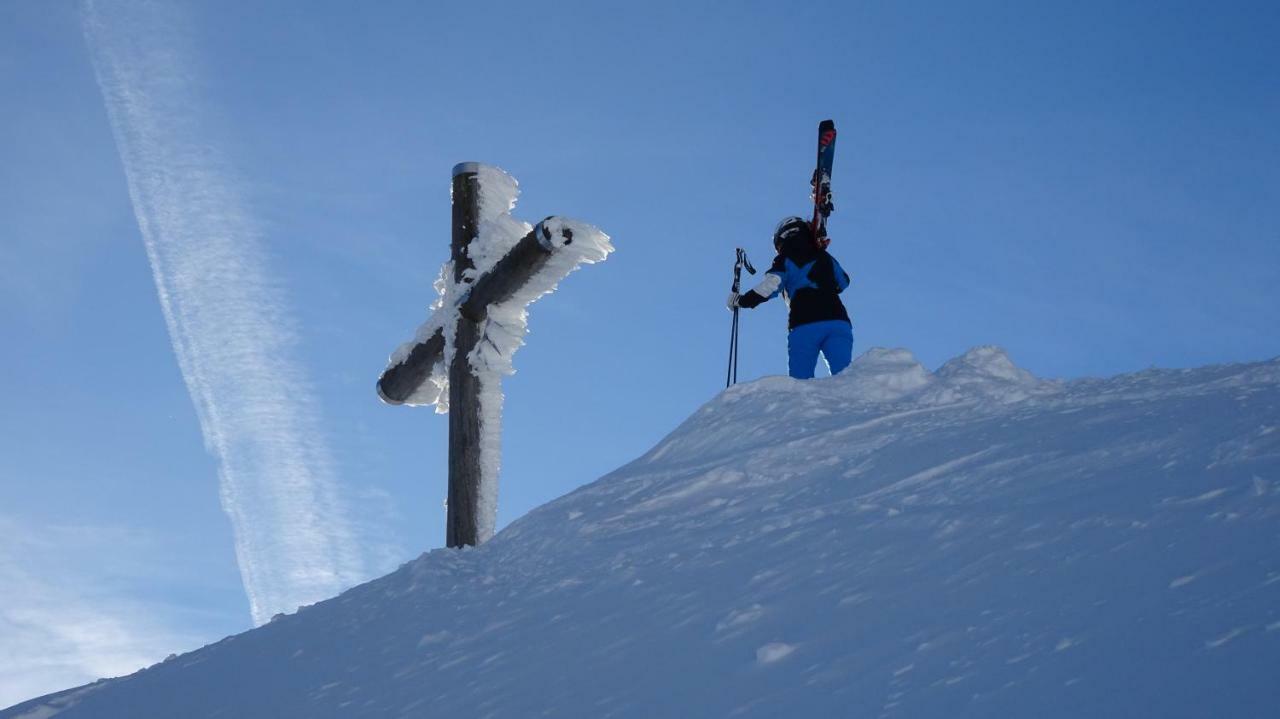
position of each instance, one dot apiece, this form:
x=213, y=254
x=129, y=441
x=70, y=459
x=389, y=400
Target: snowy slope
x=890, y=542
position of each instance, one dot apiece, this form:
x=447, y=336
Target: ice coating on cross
x=498, y=266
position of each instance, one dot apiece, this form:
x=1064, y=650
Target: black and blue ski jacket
x=810, y=281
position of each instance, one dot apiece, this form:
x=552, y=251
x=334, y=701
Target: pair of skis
x=821, y=182
x=822, y=207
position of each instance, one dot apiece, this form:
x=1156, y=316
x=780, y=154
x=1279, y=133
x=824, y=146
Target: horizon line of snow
x=228, y=321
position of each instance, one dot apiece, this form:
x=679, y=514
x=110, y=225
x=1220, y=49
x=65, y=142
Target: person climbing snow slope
x=810, y=281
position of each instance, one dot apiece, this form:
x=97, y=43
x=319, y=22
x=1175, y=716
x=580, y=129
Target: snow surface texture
x=889, y=542
x=504, y=330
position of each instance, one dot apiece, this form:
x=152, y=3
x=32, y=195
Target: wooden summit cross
x=467, y=307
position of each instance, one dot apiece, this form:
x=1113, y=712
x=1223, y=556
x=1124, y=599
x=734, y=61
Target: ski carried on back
x=821, y=182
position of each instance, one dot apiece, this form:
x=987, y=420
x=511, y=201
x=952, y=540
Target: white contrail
x=229, y=323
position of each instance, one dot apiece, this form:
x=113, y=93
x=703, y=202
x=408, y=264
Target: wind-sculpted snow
x=971, y=542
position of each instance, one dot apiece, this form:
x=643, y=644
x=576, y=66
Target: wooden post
x=464, y=387
x=469, y=314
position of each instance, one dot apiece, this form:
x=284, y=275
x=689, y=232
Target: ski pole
x=732, y=352
x=731, y=376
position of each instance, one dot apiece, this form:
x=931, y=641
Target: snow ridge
x=972, y=542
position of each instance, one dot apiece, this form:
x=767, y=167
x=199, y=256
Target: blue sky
x=1095, y=188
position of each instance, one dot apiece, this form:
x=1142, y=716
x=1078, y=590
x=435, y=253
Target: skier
x=810, y=281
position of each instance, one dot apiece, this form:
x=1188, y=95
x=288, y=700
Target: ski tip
x=466, y=168
x=827, y=125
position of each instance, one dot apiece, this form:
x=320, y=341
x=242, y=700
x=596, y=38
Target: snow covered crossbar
x=499, y=266
x=409, y=377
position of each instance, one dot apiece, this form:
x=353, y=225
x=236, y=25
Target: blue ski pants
x=833, y=338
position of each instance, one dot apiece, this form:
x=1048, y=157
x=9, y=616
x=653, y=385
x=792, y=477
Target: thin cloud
x=59, y=629
x=229, y=322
